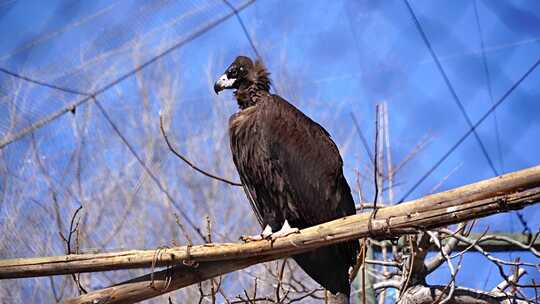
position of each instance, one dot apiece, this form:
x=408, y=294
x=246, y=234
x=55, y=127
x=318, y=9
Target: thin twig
x=453, y=272
x=496, y=261
x=189, y=163
x=280, y=279
x=73, y=227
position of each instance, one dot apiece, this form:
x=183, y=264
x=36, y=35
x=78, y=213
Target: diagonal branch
x=440, y=258
x=192, y=264
x=511, y=191
x=189, y=163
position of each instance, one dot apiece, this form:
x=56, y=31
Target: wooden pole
x=508, y=192
x=164, y=281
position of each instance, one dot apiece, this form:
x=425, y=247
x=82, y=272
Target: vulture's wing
x=309, y=161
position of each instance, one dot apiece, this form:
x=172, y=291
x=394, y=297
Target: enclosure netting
x=82, y=87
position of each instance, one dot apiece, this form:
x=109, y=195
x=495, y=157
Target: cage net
x=83, y=85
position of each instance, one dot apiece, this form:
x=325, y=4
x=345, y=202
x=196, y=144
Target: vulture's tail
x=338, y=298
x=329, y=266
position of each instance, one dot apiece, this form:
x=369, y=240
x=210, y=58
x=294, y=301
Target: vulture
x=291, y=171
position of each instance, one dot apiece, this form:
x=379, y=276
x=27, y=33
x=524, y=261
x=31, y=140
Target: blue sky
x=330, y=59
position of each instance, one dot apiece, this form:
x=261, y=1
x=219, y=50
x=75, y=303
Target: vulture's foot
x=267, y=233
x=284, y=231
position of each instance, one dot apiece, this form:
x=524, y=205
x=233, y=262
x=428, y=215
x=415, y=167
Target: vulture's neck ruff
x=253, y=87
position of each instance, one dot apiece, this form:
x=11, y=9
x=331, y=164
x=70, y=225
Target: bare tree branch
x=512, y=279
x=200, y=262
x=189, y=163
x=429, y=294
x=459, y=205
x=439, y=259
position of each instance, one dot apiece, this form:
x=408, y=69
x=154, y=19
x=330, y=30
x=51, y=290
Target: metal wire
x=450, y=87
x=89, y=96
x=521, y=218
x=93, y=97
x=147, y=169
x=471, y=130
x=244, y=29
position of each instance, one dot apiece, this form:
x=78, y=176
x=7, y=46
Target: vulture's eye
x=233, y=73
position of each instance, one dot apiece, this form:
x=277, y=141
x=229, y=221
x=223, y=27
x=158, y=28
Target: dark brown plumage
x=291, y=169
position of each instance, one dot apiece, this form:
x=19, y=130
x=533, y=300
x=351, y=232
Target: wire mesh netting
x=82, y=85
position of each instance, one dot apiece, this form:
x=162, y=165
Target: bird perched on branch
x=291, y=171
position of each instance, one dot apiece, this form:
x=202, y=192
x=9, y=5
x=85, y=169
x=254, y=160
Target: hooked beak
x=223, y=83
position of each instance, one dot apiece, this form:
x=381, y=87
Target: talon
x=284, y=231
x=250, y=238
x=266, y=234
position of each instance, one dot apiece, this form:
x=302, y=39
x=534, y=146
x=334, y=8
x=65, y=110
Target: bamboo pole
x=508, y=192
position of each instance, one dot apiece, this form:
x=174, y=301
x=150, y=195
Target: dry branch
x=419, y=294
x=509, y=192
x=492, y=242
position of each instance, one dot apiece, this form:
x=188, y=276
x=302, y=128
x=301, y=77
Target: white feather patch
x=225, y=82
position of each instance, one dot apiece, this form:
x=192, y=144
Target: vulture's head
x=242, y=74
